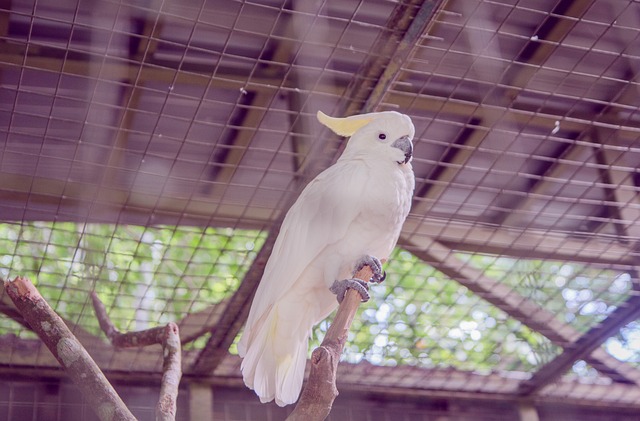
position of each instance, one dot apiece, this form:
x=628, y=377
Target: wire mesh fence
x=147, y=151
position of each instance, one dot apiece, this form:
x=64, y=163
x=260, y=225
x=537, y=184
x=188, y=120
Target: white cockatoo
x=349, y=216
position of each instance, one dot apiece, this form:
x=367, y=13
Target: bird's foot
x=379, y=275
x=340, y=288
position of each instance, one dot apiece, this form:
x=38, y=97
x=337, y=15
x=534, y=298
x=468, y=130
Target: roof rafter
x=402, y=52
x=405, y=27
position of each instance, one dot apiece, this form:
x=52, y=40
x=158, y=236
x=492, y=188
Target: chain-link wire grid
x=147, y=151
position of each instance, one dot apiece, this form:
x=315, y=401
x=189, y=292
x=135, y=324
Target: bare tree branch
x=167, y=336
x=118, y=339
x=69, y=352
x=320, y=391
x=171, y=374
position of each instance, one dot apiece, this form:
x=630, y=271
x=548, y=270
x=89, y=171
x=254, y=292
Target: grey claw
x=340, y=289
x=376, y=267
x=383, y=277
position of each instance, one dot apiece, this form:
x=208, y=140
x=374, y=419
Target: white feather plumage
x=354, y=208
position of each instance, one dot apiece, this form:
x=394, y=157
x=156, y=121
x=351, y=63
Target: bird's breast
x=382, y=216
x=383, y=203
x=390, y=196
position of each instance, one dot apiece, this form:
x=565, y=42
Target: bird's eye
x=382, y=136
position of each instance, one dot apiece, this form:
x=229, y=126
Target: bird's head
x=387, y=135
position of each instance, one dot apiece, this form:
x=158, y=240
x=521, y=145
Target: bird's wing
x=320, y=217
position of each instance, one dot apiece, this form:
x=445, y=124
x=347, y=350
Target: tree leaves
x=421, y=317
x=142, y=274
x=418, y=316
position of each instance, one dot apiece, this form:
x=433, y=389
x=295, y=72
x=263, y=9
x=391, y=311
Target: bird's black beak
x=405, y=145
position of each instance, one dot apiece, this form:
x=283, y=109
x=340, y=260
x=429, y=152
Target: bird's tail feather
x=274, y=360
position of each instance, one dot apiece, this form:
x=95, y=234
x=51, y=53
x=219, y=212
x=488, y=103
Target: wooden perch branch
x=320, y=391
x=167, y=336
x=69, y=352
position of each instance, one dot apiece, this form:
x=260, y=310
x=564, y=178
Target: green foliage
x=421, y=317
x=418, y=316
x=578, y=294
x=143, y=275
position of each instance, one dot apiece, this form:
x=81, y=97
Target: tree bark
x=171, y=374
x=167, y=336
x=69, y=352
x=320, y=391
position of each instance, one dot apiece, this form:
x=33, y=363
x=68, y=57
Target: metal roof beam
x=402, y=52
x=393, y=48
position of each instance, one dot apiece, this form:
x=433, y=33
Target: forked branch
x=167, y=336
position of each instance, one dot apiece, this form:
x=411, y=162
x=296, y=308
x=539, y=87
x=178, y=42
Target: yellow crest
x=345, y=126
